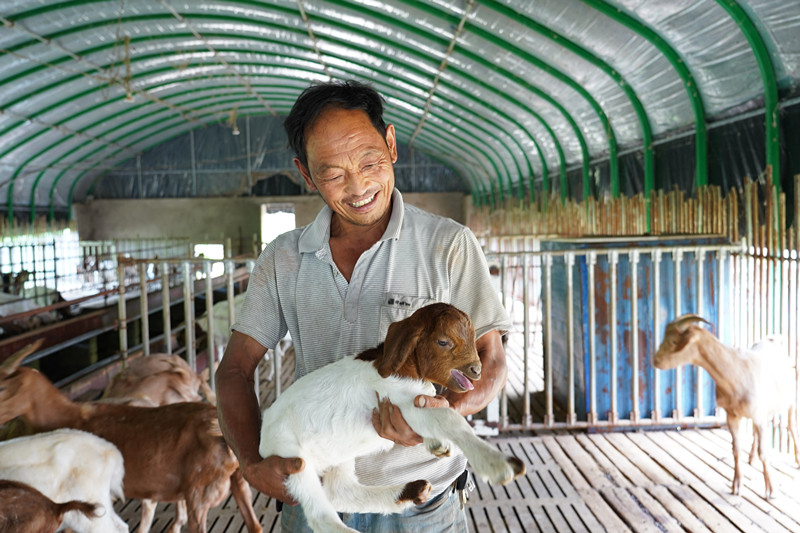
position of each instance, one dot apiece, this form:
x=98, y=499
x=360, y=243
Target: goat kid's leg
x=733, y=427
x=244, y=498
x=347, y=495
x=148, y=511
x=760, y=432
x=306, y=488
x=440, y=426
x=181, y=517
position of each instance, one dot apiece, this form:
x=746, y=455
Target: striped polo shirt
x=422, y=258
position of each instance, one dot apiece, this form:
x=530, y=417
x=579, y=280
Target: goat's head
x=12, y=380
x=680, y=341
x=437, y=344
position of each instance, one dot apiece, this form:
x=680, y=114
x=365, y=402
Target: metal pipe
x=591, y=259
x=211, y=346
x=700, y=261
x=166, y=307
x=612, y=326
x=678, y=388
x=526, y=331
x=122, y=313
x=634, y=261
x=144, y=310
x=548, y=352
x=504, y=392
x=656, y=414
x=188, y=314
x=572, y=417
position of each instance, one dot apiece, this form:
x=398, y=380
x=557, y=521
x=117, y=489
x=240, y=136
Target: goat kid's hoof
x=504, y=471
x=417, y=492
x=438, y=448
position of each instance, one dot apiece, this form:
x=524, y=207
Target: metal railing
x=591, y=314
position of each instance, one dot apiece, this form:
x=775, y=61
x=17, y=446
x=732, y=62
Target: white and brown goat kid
x=171, y=453
x=325, y=417
x=757, y=383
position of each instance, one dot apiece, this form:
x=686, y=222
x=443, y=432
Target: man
x=366, y=261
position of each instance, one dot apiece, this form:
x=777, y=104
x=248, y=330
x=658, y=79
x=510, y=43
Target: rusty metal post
x=591, y=261
x=612, y=333
x=656, y=257
x=634, y=262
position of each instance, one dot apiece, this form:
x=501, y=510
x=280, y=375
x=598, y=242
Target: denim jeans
x=442, y=514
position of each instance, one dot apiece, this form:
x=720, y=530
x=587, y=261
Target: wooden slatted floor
x=653, y=481
x=659, y=481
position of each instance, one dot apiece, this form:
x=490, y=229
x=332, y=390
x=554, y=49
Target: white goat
x=325, y=417
x=23, y=509
x=171, y=453
x=756, y=383
x=65, y=465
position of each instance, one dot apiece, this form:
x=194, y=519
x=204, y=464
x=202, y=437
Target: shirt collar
x=316, y=235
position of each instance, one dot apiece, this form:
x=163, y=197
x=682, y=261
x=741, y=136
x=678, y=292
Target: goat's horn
x=11, y=364
x=683, y=321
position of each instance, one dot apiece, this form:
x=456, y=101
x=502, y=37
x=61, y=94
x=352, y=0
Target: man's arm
x=240, y=418
x=389, y=421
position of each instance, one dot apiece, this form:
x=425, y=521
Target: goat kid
x=757, y=384
x=171, y=453
x=325, y=417
x=68, y=464
x=23, y=509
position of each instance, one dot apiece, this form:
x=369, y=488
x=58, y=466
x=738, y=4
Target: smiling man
x=367, y=260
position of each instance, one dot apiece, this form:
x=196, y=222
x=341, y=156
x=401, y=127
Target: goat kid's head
x=12, y=404
x=437, y=344
x=680, y=342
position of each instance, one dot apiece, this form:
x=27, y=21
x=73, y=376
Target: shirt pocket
x=396, y=307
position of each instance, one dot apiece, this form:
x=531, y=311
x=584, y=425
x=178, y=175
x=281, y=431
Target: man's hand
x=268, y=476
x=389, y=422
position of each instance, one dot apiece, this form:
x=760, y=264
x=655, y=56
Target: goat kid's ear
x=401, y=341
x=12, y=363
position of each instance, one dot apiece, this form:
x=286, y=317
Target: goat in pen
x=172, y=452
x=23, y=509
x=325, y=417
x=757, y=383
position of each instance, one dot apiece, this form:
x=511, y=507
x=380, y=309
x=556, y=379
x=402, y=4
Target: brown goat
x=171, y=453
x=756, y=383
x=150, y=381
x=23, y=509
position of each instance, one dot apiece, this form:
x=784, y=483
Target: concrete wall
x=215, y=219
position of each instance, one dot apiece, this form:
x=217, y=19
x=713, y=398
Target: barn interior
x=621, y=162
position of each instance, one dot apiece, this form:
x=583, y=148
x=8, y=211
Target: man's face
x=350, y=165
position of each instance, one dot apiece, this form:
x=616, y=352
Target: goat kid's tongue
x=461, y=379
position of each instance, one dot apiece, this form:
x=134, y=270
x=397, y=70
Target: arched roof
x=505, y=92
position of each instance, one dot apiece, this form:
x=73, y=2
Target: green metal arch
x=767, y=69
x=513, y=159
x=149, y=17
x=644, y=31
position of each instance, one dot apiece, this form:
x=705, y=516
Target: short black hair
x=313, y=100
